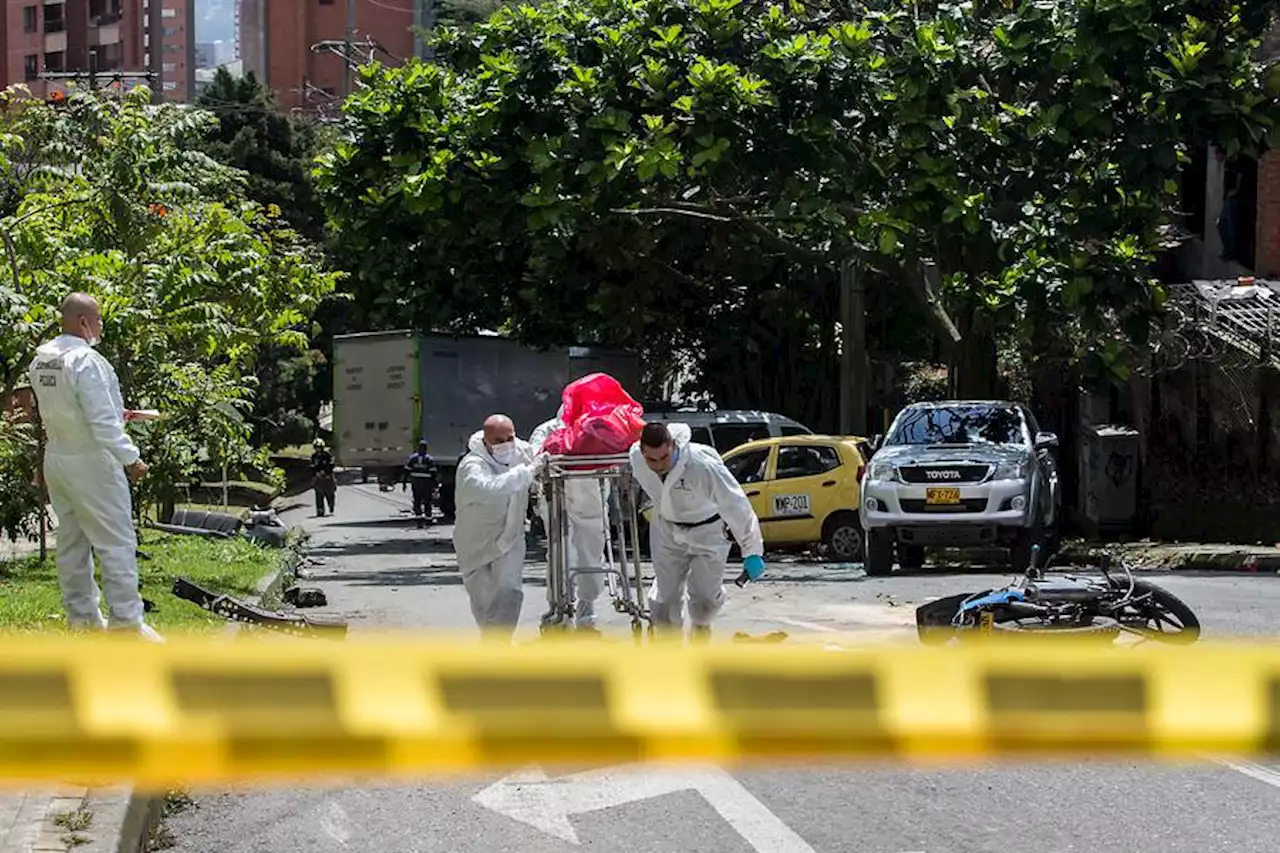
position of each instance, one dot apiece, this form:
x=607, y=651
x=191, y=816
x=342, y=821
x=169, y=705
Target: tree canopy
x=688, y=174
x=274, y=149
x=110, y=195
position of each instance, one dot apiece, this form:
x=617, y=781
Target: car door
x=751, y=468
x=807, y=485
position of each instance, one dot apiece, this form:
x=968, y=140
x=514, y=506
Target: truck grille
x=966, y=505
x=943, y=475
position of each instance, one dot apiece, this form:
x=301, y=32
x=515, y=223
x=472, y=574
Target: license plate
x=790, y=505
x=942, y=497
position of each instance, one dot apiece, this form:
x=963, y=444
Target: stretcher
x=621, y=521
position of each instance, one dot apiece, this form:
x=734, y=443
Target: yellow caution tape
x=97, y=710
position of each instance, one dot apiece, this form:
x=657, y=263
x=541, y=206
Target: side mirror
x=876, y=442
x=1046, y=441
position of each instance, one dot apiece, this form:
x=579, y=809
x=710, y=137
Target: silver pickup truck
x=960, y=474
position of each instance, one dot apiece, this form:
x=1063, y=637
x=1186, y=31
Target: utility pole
x=424, y=20
x=854, y=366
x=93, y=75
x=346, y=39
x=155, y=46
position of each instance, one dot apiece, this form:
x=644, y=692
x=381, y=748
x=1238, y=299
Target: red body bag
x=600, y=419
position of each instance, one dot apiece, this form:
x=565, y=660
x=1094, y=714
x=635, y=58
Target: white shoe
x=151, y=635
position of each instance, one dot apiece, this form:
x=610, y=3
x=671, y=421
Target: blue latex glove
x=754, y=566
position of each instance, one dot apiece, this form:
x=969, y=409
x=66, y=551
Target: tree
x=113, y=198
x=275, y=150
x=690, y=171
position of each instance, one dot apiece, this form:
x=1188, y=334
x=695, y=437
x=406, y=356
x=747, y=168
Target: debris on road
x=235, y=610
x=305, y=596
x=771, y=637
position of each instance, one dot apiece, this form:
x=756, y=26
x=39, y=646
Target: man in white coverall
x=492, y=497
x=586, y=509
x=695, y=498
x=86, y=458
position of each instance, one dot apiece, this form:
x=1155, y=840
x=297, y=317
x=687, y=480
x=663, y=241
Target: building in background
x=213, y=54
x=177, y=42
x=275, y=40
x=69, y=36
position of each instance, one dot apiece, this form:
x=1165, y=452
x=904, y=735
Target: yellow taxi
x=804, y=489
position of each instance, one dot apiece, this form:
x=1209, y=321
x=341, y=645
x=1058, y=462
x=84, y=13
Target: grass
x=74, y=823
x=30, y=601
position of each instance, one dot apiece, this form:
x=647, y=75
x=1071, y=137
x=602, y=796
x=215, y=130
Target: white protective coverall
x=586, y=509
x=693, y=503
x=84, y=461
x=488, y=534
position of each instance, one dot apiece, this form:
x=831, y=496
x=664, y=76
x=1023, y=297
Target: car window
x=794, y=430
x=960, y=424
x=729, y=436
x=700, y=435
x=748, y=467
x=806, y=460
x=864, y=450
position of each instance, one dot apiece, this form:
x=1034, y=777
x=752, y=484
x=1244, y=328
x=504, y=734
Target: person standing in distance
x=420, y=470
x=492, y=498
x=87, y=456
x=695, y=498
x=322, y=481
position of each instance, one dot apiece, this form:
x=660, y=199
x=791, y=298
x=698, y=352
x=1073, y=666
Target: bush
x=21, y=499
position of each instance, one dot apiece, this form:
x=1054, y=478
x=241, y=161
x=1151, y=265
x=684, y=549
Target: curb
x=1239, y=562
x=132, y=815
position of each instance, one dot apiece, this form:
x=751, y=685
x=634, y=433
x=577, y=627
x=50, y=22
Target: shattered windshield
x=960, y=425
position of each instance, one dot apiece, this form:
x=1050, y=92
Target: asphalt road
x=381, y=572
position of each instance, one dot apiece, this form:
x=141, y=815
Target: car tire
x=911, y=557
x=843, y=538
x=1020, y=551
x=879, y=556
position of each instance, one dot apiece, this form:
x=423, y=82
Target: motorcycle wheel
x=1164, y=609
x=933, y=619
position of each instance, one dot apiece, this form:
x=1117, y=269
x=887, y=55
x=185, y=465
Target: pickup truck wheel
x=843, y=537
x=879, y=559
x=1020, y=552
x=911, y=557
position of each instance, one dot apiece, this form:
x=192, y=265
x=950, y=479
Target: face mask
x=94, y=341
x=504, y=453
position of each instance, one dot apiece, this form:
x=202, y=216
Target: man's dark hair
x=655, y=435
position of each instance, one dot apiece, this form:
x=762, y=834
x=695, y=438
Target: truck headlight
x=882, y=471
x=1011, y=471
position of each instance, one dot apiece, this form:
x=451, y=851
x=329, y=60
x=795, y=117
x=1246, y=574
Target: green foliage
x=686, y=174
x=19, y=492
x=112, y=196
x=288, y=398
x=274, y=150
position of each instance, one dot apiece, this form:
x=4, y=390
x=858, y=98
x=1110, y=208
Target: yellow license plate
x=941, y=497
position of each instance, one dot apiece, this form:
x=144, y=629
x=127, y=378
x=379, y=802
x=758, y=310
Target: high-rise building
x=177, y=41
x=69, y=36
x=275, y=41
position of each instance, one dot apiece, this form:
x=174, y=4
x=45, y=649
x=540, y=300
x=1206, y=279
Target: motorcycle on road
x=1102, y=606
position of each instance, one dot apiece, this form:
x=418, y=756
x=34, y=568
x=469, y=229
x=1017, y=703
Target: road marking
x=1254, y=771
x=530, y=797
x=335, y=822
x=796, y=623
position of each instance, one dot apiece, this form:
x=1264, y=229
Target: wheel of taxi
x=842, y=537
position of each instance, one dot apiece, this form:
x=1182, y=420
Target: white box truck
x=391, y=389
